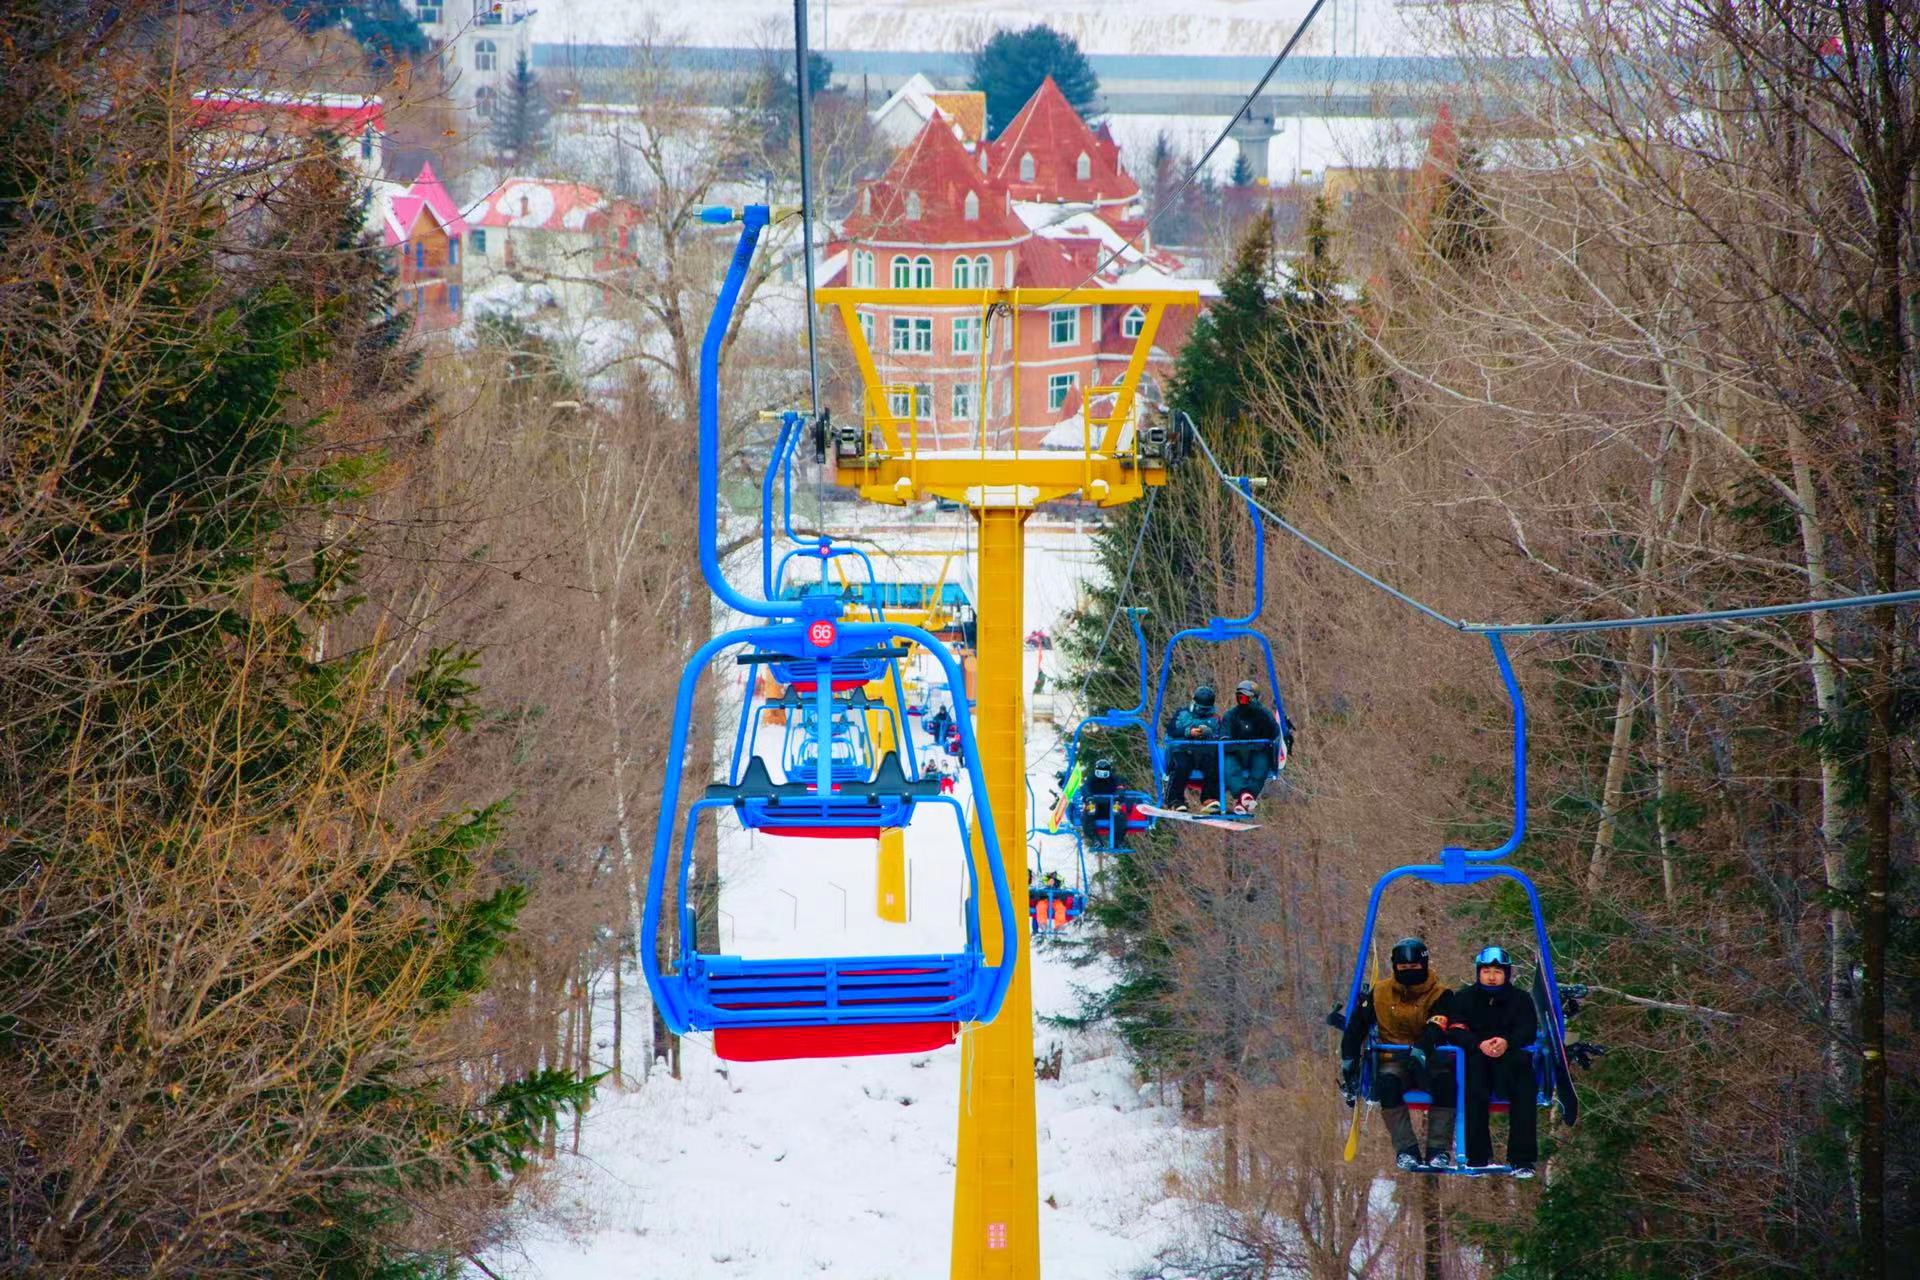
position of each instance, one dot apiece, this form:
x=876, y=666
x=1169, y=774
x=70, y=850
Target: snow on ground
x=1191, y=27
x=768, y=1171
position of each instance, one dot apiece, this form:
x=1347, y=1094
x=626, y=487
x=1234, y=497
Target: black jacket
x=1251, y=722
x=1094, y=785
x=1481, y=1013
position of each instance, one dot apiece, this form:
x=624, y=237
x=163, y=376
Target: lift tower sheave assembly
x=996, y=1208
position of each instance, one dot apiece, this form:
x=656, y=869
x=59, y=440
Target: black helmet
x=1494, y=956
x=1410, y=953
x=1247, y=689
x=1203, y=696
x=1103, y=768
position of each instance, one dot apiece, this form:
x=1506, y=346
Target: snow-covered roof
x=537, y=204
x=964, y=110
x=426, y=194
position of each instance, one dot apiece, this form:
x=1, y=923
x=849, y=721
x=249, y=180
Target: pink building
x=423, y=229
x=1044, y=206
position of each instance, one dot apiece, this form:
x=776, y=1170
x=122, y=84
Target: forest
x=339, y=659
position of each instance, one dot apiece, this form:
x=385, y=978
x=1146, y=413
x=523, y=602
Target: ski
x=1065, y=802
x=1554, y=1035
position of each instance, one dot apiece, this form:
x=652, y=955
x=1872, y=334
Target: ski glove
x=1584, y=1052
x=1349, y=1079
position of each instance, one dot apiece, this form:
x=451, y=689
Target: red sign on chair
x=820, y=634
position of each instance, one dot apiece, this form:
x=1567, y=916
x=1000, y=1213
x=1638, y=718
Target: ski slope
x=768, y=1171
x=1191, y=27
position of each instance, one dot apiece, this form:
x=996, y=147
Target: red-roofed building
x=566, y=235
x=1048, y=153
x=944, y=217
x=424, y=230
x=254, y=124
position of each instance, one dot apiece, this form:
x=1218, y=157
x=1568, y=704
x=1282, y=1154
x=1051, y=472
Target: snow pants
x=1511, y=1076
x=1392, y=1077
x=1183, y=761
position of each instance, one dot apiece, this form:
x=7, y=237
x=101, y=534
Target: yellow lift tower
x=996, y=1203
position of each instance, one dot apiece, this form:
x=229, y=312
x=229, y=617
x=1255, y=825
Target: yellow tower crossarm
x=892, y=472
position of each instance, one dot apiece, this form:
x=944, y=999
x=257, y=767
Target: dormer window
x=866, y=201
x=983, y=159
x=1026, y=167
x=1083, y=167
x=913, y=206
x=972, y=209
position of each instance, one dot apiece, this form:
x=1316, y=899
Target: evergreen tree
x=1269, y=327
x=1011, y=66
x=240, y=922
x=388, y=31
x=1242, y=174
x=520, y=121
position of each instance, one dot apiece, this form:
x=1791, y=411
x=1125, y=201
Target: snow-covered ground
x=768, y=1171
x=1195, y=27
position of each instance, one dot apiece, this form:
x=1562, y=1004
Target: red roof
x=346, y=113
x=937, y=169
x=425, y=193
x=1046, y=264
x=1052, y=132
x=538, y=204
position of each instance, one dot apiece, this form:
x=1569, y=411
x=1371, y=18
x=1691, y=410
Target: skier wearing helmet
x=1414, y=1010
x=1191, y=736
x=1255, y=751
x=1101, y=786
x=1493, y=1023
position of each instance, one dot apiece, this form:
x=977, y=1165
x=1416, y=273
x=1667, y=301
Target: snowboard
x=1065, y=802
x=1224, y=821
x=1554, y=1035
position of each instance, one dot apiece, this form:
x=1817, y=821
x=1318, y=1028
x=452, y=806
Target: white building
x=901, y=117
x=479, y=42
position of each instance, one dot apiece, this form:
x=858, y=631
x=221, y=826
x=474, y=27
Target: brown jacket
x=1403, y=1012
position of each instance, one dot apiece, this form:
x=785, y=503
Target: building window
x=1063, y=327
x=1133, y=324
x=366, y=143
x=900, y=402
x=483, y=101
x=862, y=267
x=923, y=272
x=963, y=272
x=427, y=10
x=963, y=401
x=1026, y=167
x=486, y=55
x=453, y=297
x=866, y=328
x=966, y=336
x=1083, y=167
x=866, y=201
x=983, y=272
x=453, y=252
x=983, y=159
x=913, y=206
x=902, y=272
x=923, y=401
x=1058, y=387
x=479, y=240
x=912, y=335
x=419, y=257
x=971, y=210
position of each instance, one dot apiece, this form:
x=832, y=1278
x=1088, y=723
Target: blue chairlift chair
x=1127, y=801
x=1468, y=867
x=1180, y=755
x=834, y=1005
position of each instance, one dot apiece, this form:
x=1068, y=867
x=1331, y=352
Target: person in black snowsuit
x=1413, y=1009
x=1493, y=1023
x=1099, y=805
x=1191, y=735
x=1253, y=747
x=937, y=725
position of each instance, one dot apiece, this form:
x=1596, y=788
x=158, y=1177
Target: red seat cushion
x=775, y=1044
x=825, y=833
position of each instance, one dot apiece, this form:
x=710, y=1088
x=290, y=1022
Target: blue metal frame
x=1134, y=717
x=708, y=991
x=1222, y=631
x=1542, y=1086
x=1469, y=867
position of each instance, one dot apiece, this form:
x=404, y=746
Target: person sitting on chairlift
x=1493, y=1022
x=1101, y=787
x=1194, y=724
x=1255, y=749
x=1048, y=903
x=1414, y=1009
